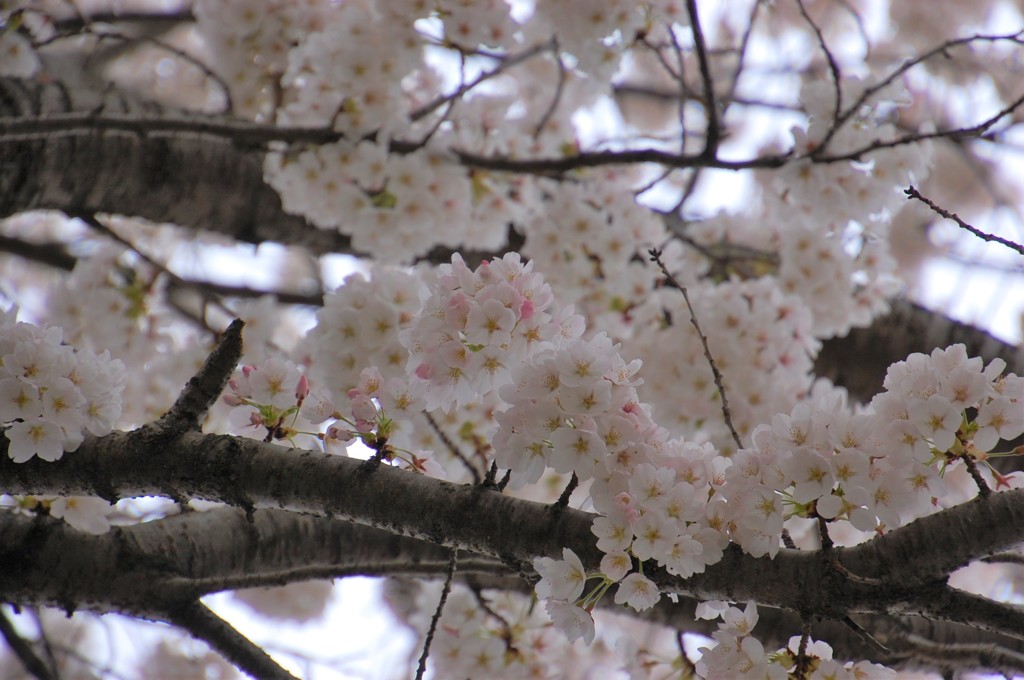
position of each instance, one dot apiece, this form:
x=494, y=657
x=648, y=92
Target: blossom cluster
x=52, y=394
x=249, y=44
x=879, y=468
x=762, y=344
x=590, y=241
x=736, y=653
x=393, y=206
x=113, y=284
x=835, y=254
x=476, y=326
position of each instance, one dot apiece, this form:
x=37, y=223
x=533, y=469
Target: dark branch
x=23, y=650
x=204, y=625
x=912, y=192
x=205, y=386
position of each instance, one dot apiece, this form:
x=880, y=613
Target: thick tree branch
x=251, y=474
x=183, y=557
x=859, y=360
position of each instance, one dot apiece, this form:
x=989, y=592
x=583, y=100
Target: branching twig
x=452, y=448
x=972, y=468
x=54, y=253
x=726, y=413
x=833, y=67
x=816, y=155
x=505, y=64
x=941, y=49
x=912, y=192
x=556, y=98
x=422, y=666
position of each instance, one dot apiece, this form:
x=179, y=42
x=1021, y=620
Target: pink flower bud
x=302, y=388
x=247, y=369
x=232, y=400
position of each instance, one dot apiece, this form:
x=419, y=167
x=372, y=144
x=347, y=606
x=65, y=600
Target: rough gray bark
x=902, y=573
x=186, y=556
x=859, y=360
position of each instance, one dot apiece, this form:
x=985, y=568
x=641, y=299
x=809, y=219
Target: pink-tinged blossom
x=964, y=387
x=637, y=591
x=35, y=438
x=576, y=622
x=19, y=399
x=576, y=450
x=63, y=403
x=560, y=579
x=613, y=532
x=797, y=429
x=317, y=406
x=654, y=535
x=810, y=473
x=85, y=513
x=649, y=484
x=686, y=555
x=273, y=383
x=740, y=622
x=997, y=419
x=616, y=564
x=937, y=419
x=363, y=410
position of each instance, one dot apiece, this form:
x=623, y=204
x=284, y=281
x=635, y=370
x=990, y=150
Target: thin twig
x=506, y=63
x=941, y=49
x=853, y=578
x=728, y=99
x=422, y=666
x=180, y=54
x=23, y=650
x=912, y=192
x=161, y=268
x=655, y=254
x=681, y=79
x=563, y=500
x=1004, y=558
x=866, y=636
x=952, y=134
x=833, y=67
x=557, y=97
x=823, y=535
x=711, y=106
x=452, y=448
x=972, y=468
x=800, y=672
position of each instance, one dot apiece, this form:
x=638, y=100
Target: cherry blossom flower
x=576, y=622
x=560, y=579
x=637, y=591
